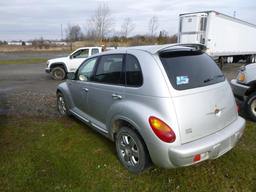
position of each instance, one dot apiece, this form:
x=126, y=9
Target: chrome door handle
x=85, y=89
x=115, y=96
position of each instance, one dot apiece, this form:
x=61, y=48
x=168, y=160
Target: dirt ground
x=26, y=90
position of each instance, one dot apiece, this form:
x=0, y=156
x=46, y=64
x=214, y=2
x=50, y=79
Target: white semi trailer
x=226, y=38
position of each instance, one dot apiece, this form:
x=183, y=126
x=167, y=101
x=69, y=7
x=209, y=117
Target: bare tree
x=127, y=27
x=101, y=22
x=153, y=26
x=73, y=33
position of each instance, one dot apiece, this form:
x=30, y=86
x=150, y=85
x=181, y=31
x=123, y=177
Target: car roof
x=87, y=48
x=153, y=49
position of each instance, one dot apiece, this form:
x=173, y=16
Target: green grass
x=65, y=155
x=24, y=61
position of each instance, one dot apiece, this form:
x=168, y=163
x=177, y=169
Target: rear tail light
x=197, y=157
x=238, y=108
x=162, y=130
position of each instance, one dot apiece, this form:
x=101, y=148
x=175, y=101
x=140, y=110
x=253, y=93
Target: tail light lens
x=162, y=130
x=238, y=108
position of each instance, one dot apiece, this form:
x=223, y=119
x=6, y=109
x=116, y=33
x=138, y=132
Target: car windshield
x=190, y=69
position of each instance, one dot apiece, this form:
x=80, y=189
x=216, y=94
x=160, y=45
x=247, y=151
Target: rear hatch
x=202, y=98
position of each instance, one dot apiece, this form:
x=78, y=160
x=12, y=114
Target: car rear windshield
x=190, y=69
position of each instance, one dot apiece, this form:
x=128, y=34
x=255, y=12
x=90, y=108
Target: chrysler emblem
x=216, y=112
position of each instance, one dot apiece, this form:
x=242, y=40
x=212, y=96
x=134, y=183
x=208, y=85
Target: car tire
x=61, y=105
x=131, y=150
x=250, y=106
x=58, y=73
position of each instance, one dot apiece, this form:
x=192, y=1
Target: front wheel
x=250, y=106
x=131, y=150
x=61, y=105
x=58, y=73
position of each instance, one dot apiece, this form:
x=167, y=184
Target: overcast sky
x=30, y=19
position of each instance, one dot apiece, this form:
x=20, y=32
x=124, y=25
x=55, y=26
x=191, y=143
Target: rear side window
x=110, y=70
x=95, y=51
x=133, y=71
x=190, y=69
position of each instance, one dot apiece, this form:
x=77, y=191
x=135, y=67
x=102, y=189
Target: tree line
x=100, y=28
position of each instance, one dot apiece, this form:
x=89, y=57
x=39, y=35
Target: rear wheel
x=58, y=73
x=250, y=106
x=131, y=150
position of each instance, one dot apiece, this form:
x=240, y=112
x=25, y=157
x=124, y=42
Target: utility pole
x=234, y=14
x=61, y=31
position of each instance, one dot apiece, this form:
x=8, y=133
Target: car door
x=77, y=58
x=106, y=89
x=78, y=87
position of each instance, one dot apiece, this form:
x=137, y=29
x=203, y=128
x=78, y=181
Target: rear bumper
x=210, y=147
x=239, y=89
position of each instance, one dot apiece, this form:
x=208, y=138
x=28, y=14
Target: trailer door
x=192, y=28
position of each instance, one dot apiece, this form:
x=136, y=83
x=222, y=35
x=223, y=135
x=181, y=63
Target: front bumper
x=47, y=70
x=210, y=147
x=239, y=89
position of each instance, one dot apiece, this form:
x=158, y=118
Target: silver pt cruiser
x=169, y=104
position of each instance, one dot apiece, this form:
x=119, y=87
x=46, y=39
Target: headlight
x=241, y=77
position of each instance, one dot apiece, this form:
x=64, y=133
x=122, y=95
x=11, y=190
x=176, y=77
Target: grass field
x=24, y=61
x=65, y=155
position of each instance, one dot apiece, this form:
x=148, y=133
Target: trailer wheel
x=250, y=59
x=221, y=62
x=236, y=59
x=254, y=58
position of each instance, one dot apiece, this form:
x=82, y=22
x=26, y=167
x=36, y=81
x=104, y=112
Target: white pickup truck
x=59, y=67
x=244, y=88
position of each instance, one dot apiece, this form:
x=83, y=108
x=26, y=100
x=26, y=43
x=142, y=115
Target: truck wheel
x=250, y=106
x=131, y=151
x=58, y=73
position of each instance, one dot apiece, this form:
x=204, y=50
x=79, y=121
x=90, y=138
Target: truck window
x=95, y=51
x=82, y=53
x=190, y=69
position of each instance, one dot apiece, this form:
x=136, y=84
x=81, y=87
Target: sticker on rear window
x=181, y=80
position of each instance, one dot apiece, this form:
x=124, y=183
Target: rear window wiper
x=212, y=78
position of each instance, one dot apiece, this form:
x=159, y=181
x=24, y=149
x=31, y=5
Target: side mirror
x=70, y=56
x=71, y=76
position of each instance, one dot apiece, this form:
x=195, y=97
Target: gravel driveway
x=26, y=90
